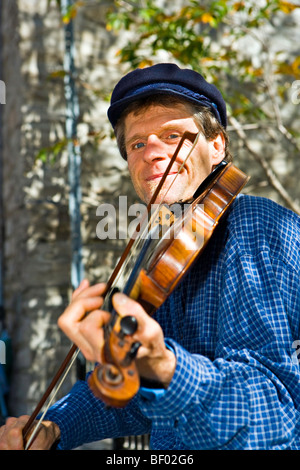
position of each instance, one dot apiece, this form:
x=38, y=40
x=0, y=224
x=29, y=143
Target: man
x=221, y=346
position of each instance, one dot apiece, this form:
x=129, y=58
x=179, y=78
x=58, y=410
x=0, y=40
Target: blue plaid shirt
x=234, y=324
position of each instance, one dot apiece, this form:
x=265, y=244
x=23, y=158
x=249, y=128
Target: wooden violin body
x=162, y=267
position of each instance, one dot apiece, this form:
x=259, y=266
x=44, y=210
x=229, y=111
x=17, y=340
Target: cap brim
x=115, y=110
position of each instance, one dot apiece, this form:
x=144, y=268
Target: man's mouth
x=159, y=175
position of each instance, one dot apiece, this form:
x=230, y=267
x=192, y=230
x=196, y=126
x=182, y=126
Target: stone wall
x=36, y=248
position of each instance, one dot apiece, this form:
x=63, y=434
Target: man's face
x=151, y=138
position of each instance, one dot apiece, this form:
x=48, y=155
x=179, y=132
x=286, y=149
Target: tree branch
x=271, y=176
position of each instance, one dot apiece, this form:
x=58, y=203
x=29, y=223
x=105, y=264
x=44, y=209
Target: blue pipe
x=74, y=155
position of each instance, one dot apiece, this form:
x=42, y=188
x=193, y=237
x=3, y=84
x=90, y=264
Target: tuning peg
x=128, y=325
x=130, y=356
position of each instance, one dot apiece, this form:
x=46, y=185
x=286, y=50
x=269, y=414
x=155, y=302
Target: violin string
x=54, y=393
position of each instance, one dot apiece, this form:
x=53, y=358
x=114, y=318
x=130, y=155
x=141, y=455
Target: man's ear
x=217, y=149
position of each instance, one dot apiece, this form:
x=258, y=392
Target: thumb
x=124, y=305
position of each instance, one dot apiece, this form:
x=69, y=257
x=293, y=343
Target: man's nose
x=154, y=149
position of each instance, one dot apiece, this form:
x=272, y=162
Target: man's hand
x=11, y=435
x=83, y=322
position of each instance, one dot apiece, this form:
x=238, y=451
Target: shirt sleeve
x=83, y=418
x=247, y=397
x=154, y=393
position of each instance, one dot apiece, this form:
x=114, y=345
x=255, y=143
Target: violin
x=157, y=273
x=163, y=260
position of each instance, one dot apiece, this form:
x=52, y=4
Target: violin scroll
x=116, y=380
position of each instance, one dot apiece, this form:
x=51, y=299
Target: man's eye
x=139, y=145
x=173, y=136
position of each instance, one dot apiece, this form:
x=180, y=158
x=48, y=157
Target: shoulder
x=260, y=210
x=257, y=224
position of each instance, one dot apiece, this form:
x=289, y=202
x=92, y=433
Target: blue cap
x=167, y=79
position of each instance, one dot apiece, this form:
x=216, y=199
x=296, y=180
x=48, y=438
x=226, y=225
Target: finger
x=148, y=332
x=76, y=311
x=10, y=421
x=12, y=435
x=90, y=337
x=83, y=285
x=126, y=306
x=46, y=434
x=85, y=290
x=153, y=359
